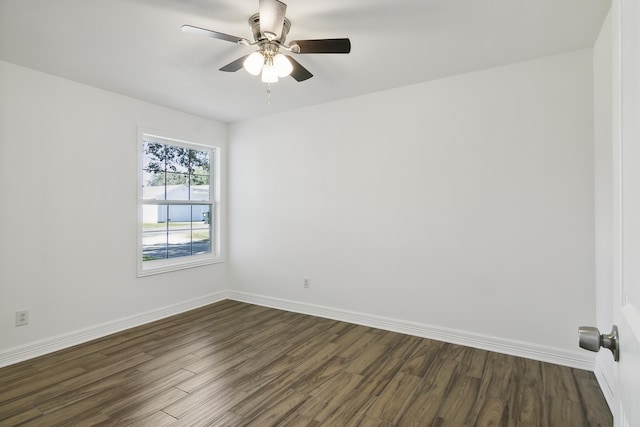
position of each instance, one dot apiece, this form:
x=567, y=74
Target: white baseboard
x=59, y=342
x=606, y=385
x=577, y=359
x=485, y=342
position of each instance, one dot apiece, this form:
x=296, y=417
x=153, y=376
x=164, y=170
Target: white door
x=626, y=250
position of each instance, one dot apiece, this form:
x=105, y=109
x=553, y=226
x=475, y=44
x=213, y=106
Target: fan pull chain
x=268, y=94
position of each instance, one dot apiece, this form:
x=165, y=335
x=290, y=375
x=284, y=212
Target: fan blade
x=299, y=72
x=214, y=34
x=321, y=46
x=272, y=18
x=235, y=65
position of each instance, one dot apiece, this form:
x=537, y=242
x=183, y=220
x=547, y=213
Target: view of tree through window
x=177, y=201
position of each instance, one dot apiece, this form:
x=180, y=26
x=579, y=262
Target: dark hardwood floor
x=236, y=364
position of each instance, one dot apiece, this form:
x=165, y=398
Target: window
x=178, y=204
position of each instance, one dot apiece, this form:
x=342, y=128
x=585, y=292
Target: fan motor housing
x=254, y=23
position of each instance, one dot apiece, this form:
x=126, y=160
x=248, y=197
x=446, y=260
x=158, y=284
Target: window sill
x=165, y=266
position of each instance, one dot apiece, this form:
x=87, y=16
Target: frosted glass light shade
x=283, y=65
x=253, y=63
x=269, y=74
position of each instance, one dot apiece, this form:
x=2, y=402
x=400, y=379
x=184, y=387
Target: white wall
x=464, y=203
x=68, y=174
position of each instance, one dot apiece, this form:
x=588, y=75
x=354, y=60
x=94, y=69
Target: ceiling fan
x=270, y=28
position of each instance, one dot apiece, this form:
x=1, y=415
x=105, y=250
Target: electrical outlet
x=306, y=283
x=22, y=318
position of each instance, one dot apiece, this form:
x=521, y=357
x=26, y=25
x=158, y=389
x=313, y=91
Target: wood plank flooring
x=236, y=364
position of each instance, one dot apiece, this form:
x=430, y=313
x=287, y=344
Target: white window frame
x=146, y=268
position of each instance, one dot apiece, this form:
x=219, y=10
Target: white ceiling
x=136, y=48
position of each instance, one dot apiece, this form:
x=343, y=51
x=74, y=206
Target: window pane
x=154, y=245
x=201, y=229
x=177, y=186
x=176, y=178
x=200, y=215
x=153, y=186
x=179, y=243
x=154, y=217
x=153, y=156
x=179, y=215
x=201, y=240
x=154, y=232
x=177, y=159
x=199, y=162
x=199, y=189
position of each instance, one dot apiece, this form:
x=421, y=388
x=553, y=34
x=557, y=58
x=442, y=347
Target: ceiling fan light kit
x=253, y=64
x=268, y=62
x=270, y=28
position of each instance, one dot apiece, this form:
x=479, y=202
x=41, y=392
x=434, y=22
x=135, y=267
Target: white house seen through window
x=178, y=204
